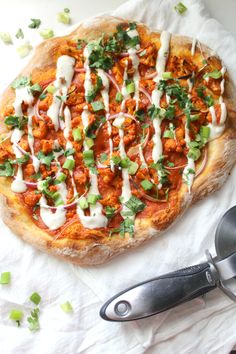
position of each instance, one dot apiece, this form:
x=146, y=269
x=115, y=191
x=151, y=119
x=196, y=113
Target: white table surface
x=223, y=11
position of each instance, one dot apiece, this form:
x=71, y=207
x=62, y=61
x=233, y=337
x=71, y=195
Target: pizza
x=109, y=134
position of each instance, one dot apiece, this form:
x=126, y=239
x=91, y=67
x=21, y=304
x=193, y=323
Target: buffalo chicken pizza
x=109, y=134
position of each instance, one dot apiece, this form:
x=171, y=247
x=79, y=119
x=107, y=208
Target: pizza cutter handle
x=159, y=294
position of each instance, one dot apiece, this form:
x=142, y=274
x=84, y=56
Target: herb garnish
x=16, y=122
x=35, y=23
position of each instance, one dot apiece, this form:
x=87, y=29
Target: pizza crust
x=221, y=152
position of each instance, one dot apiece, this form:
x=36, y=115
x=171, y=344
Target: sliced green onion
x=83, y=203
x=6, y=37
x=194, y=117
x=116, y=160
x=5, y=278
x=167, y=75
x=194, y=153
x=133, y=167
x=180, y=8
x=51, y=89
x=168, y=134
x=97, y=106
x=64, y=17
x=93, y=198
x=66, y=10
x=46, y=33
x=135, y=204
x=19, y=34
x=36, y=22
x=62, y=177
x=24, y=50
x=57, y=199
x=36, y=88
x=119, y=97
x=69, y=164
x=125, y=163
x=67, y=307
x=130, y=88
x=35, y=298
x=205, y=132
x=147, y=185
x=88, y=157
x=109, y=211
x=89, y=142
x=76, y=132
x=16, y=315
x=215, y=74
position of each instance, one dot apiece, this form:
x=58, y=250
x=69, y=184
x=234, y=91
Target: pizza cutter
x=169, y=290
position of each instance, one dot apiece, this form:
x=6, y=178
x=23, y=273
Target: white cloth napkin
x=202, y=326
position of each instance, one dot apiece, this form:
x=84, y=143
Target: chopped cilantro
x=109, y=212
x=35, y=23
x=81, y=43
x=140, y=115
x=98, y=57
x=6, y=169
x=21, y=81
x=16, y=122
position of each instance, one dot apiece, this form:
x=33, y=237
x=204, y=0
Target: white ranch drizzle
x=136, y=77
x=156, y=94
x=189, y=170
x=21, y=95
x=64, y=75
x=96, y=218
x=126, y=190
x=194, y=42
x=105, y=96
x=118, y=122
x=216, y=130
x=53, y=220
x=123, y=88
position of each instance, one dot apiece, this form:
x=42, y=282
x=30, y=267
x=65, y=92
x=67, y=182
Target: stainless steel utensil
x=169, y=290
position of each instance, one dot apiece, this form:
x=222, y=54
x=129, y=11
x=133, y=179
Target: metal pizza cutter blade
x=169, y=290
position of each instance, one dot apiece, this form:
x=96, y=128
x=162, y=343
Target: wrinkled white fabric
x=202, y=326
